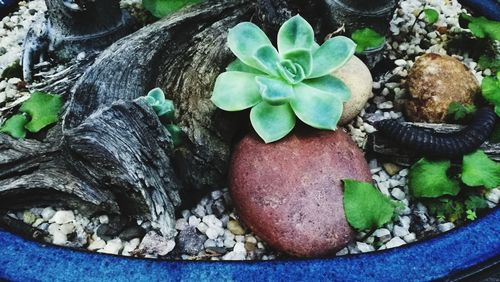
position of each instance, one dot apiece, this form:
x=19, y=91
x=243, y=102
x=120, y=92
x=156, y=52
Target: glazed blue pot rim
x=455, y=251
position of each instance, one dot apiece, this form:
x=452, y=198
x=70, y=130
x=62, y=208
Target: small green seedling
x=279, y=85
x=431, y=16
x=367, y=38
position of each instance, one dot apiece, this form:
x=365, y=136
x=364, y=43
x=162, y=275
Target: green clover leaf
x=162, y=8
x=481, y=27
x=479, y=170
x=459, y=111
x=490, y=87
x=429, y=179
x=14, y=126
x=365, y=207
x=431, y=16
x=367, y=38
x=43, y=109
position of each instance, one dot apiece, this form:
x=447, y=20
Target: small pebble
x=395, y=242
x=235, y=227
x=61, y=217
x=444, y=227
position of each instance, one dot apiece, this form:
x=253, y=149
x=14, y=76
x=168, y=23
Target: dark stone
x=110, y=230
x=216, y=250
x=289, y=193
x=189, y=241
x=218, y=207
x=132, y=232
x=105, y=232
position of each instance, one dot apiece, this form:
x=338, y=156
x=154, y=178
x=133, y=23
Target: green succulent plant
x=279, y=85
x=165, y=110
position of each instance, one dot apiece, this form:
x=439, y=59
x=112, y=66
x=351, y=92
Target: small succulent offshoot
x=165, y=110
x=279, y=85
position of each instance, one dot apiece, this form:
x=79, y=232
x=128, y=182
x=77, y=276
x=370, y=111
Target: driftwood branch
x=111, y=152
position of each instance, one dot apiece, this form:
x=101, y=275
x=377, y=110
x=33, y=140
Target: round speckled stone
x=290, y=192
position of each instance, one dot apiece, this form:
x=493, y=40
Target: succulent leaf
x=302, y=57
x=267, y=60
x=295, y=33
x=280, y=86
x=274, y=91
x=332, y=55
x=331, y=84
x=157, y=94
x=272, y=122
x=292, y=72
x=238, y=65
x=244, y=40
x=236, y=91
x=316, y=108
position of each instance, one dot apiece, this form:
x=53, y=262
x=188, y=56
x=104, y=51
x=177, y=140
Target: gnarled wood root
x=112, y=148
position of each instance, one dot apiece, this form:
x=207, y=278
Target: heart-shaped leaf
x=332, y=55
x=481, y=27
x=296, y=33
x=431, y=16
x=236, y=91
x=330, y=84
x=244, y=40
x=274, y=91
x=429, y=179
x=490, y=87
x=367, y=38
x=365, y=207
x=479, y=170
x=14, y=126
x=272, y=122
x=43, y=109
x=161, y=8
x=316, y=108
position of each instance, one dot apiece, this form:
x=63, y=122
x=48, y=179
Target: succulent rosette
x=280, y=85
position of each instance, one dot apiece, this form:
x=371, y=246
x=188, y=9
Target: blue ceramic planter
x=446, y=256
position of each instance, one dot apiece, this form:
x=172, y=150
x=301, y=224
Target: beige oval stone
x=356, y=75
x=434, y=82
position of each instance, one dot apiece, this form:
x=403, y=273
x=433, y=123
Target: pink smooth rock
x=290, y=194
